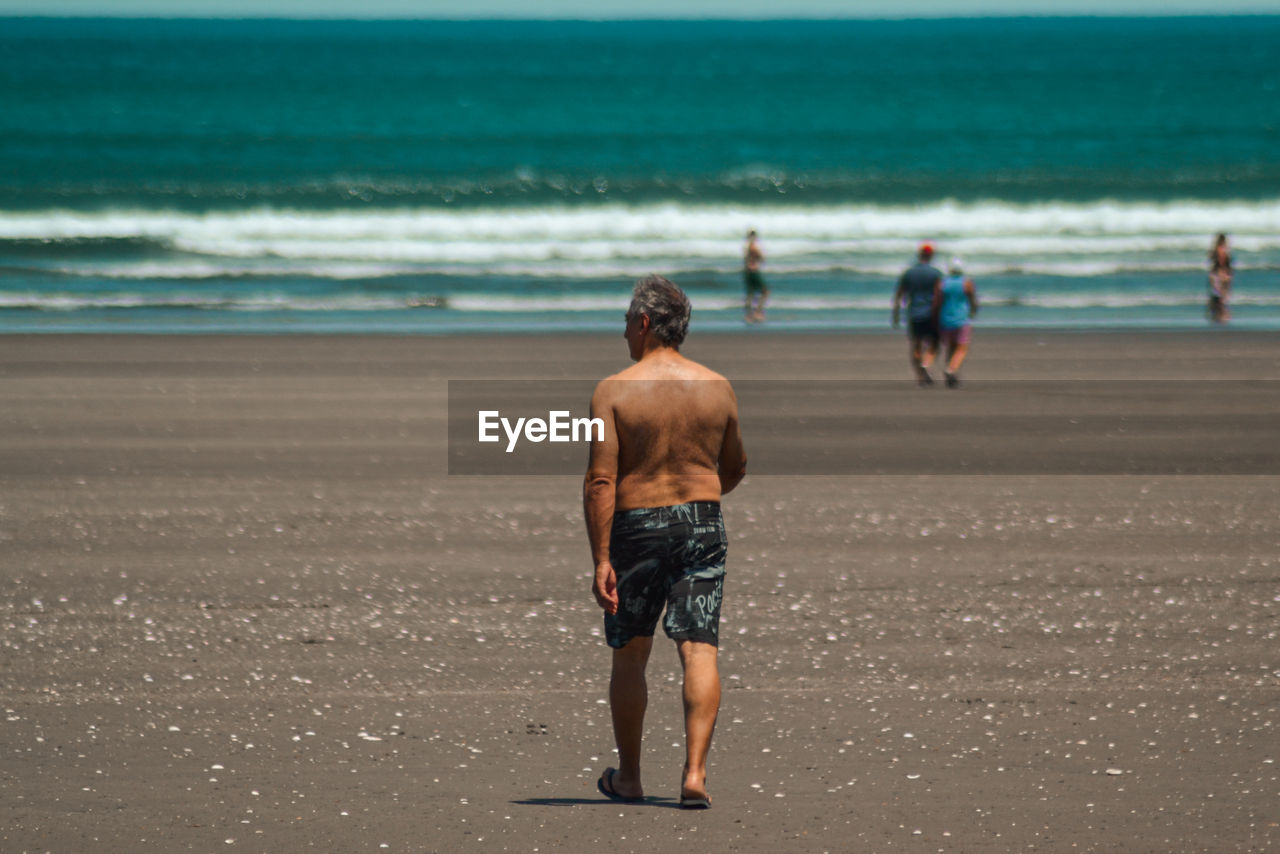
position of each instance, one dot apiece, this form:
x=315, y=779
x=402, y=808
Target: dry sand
x=246, y=609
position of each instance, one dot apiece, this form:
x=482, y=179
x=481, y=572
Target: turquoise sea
x=430, y=177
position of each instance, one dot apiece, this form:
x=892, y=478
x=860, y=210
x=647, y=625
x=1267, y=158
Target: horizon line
x=764, y=18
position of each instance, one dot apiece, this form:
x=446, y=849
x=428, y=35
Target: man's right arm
x=897, y=301
x=598, y=499
x=732, y=464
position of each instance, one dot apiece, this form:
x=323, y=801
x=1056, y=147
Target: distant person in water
x=753, y=279
x=1219, y=280
x=955, y=302
x=915, y=290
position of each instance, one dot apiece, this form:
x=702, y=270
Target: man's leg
x=701, y=705
x=628, y=699
x=929, y=352
x=917, y=361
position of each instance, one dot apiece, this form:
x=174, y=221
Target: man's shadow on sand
x=655, y=801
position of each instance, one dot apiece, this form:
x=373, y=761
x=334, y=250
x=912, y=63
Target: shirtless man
x=651, y=497
x=1219, y=280
x=753, y=279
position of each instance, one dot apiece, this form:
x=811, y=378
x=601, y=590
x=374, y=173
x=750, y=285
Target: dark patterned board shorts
x=670, y=557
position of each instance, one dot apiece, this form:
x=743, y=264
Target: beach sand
x=245, y=608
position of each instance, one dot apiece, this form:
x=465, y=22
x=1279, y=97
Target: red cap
x=926, y=248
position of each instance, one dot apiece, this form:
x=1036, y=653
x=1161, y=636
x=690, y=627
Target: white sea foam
x=262, y=301
x=186, y=269
x=575, y=304
x=1056, y=238
x=570, y=270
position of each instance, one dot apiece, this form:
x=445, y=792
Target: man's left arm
x=732, y=463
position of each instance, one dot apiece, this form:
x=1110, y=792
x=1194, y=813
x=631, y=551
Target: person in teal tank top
x=955, y=302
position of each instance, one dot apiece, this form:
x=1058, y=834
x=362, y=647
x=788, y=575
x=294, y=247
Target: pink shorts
x=955, y=337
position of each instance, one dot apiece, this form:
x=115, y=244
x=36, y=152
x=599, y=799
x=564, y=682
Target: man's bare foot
x=614, y=788
x=693, y=796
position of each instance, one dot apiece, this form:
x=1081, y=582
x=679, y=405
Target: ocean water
x=435, y=177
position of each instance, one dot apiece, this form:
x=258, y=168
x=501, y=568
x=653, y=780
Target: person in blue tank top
x=955, y=302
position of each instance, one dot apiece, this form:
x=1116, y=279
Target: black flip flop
x=703, y=803
x=605, y=785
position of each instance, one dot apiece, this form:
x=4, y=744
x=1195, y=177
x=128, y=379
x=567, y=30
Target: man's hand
x=605, y=588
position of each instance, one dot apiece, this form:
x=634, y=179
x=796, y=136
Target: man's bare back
x=675, y=424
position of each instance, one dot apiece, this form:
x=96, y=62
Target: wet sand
x=246, y=609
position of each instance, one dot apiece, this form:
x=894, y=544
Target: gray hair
x=667, y=307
